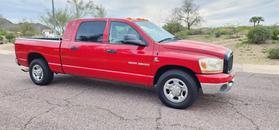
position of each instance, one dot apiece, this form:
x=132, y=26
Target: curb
x=261, y=69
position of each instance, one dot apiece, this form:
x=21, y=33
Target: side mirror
x=132, y=39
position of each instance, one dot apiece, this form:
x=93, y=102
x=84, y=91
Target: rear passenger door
x=85, y=53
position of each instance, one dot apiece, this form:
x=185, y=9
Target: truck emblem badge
x=132, y=63
x=138, y=63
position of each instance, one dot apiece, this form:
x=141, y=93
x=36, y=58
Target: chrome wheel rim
x=175, y=90
x=37, y=72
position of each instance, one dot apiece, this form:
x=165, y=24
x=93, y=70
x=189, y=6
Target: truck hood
x=197, y=47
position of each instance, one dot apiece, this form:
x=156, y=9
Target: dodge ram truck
x=134, y=51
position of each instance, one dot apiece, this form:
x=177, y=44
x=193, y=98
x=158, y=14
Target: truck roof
x=106, y=19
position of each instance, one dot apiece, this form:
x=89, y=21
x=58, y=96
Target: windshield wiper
x=170, y=38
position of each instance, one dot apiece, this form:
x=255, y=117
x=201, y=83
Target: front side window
x=119, y=30
x=91, y=31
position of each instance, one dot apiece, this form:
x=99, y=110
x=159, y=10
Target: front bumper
x=216, y=83
x=213, y=88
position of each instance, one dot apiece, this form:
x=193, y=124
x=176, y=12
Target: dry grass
x=244, y=53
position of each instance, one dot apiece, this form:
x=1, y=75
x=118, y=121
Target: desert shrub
x=26, y=29
x=205, y=31
x=1, y=39
x=173, y=27
x=10, y=37
x=273, y=53
x=275, y=34
x=226, y=30
x=217, y=34
x=195, y=32
x=182, y=34
x=258, y=35
x=244, y=29
x=275, y=42
x=2, y=32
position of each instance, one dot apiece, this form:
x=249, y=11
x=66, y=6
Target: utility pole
x=54, y=20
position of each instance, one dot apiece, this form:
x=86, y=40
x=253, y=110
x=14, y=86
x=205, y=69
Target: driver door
x=128, y=62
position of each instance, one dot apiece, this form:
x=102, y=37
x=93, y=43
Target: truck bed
x=49, y=48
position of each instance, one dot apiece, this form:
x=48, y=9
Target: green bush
x=275, y=42
x=259, y=35
x=2, y=32
x=273, y=53
x=182, y=34
x=275, y=35
x=173, y=27
x=217, y=34
x=10, y=37
x=1, y=39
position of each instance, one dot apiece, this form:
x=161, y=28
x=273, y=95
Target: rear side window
x=91, y=31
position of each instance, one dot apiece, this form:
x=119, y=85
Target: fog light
x=230, y=84
x=224, y=88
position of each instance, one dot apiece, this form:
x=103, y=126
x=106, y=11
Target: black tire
x=188, y=80
x=47, y=73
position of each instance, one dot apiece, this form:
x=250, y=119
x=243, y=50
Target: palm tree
x=260, y=19
x=256, y=19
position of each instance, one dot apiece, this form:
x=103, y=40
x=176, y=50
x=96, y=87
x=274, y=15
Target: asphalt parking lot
x=72, y=102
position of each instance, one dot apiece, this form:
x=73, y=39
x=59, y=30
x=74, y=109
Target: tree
x=26, y=29
x=81, y=9
x=74, y=9
x=61, y=18
x=253, y=20
x=260, y=19
x=173, y=27
x=188, y=14
x=256, y=19
x=100, y=11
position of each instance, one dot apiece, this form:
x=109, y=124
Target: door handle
x=74, y=48
x=111, y=51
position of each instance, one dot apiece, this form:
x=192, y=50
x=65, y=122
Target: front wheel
x=177, y=89
x=39, y=72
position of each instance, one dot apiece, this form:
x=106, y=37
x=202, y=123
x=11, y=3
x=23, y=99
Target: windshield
x=155, y=32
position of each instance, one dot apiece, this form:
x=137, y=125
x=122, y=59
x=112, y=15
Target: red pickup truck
x=134, y=51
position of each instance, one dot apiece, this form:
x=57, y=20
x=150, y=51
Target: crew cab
x=133, y=51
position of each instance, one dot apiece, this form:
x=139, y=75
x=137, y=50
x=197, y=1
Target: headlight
x=211, y=65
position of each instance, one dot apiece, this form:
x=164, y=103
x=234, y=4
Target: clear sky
x=214, y=12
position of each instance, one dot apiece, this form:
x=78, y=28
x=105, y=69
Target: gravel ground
x=72, y=102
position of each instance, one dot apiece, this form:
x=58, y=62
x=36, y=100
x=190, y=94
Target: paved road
x=72, y=102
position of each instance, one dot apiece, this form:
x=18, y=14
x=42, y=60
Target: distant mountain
x=8, y=25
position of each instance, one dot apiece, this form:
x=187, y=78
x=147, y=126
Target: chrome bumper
x=213, y=88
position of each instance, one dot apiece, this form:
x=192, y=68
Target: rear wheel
x=177, y=89
x=39, y=72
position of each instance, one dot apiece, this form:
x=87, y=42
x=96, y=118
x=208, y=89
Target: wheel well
x=33, y=56
x=164, y=69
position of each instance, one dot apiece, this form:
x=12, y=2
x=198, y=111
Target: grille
x=228, y=62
